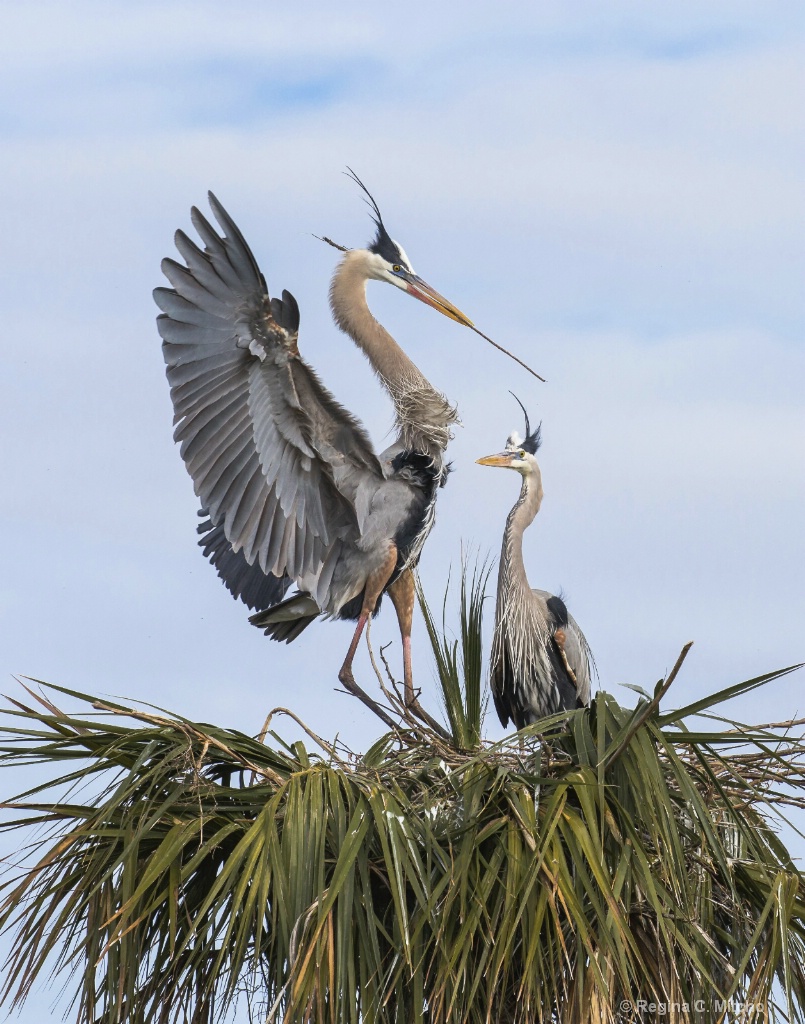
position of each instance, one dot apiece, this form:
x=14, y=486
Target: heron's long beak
x=503, y=459
x=422, y=290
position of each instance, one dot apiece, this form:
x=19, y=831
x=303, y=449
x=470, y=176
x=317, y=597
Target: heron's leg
x=402, y=592
x=372, y=591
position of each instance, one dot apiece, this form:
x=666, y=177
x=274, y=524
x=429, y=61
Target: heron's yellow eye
x=396, y=268
x=521, y=453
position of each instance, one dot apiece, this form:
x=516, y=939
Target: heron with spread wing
x=290, y=485
x=541, y=661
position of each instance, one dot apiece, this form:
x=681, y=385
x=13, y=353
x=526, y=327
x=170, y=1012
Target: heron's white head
x=397, y=271
x=386, y=260
x=513, y=456
x=519, y=453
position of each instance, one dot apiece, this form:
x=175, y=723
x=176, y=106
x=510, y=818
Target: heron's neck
x=512, y=567
x=423, y=414
x=352, y=314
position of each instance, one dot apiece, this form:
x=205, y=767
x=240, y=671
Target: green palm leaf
x=598, y=858
x=459, y=664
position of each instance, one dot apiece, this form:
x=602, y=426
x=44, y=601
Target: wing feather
x=183, y=311
x=275, y=460
x=231, y=469
x=255, y=588
x=188, y=288
x=204, y=270
x=210, y=383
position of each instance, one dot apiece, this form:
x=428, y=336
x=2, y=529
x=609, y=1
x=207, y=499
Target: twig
x=415, y=708
x=390, y=674
x=648, y=710
x=329, y=241
x=394, y=699
x=511, y=355
x=316, y=739
x=408, y=714
x=790, y=724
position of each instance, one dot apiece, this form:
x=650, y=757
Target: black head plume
x=382, y=244
x=531, y=441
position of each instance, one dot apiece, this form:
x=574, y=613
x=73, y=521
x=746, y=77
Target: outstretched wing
x=257, y=589
x=275, y=460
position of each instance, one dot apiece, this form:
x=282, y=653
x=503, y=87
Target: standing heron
x=540, y=662
x=290, y=485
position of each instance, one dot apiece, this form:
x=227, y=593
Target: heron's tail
x=286, y=621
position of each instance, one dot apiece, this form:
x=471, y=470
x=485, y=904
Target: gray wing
x=257, y=589
x=577, y=650
x=580, y=659
x=276, y=461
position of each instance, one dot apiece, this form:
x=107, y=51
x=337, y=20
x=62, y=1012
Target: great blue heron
x=540, y=662
x=289, y=482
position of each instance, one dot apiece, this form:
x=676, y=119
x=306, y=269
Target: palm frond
x=598, y=858
x=459, y=664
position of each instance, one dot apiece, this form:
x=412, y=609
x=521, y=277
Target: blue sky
x=613, y=190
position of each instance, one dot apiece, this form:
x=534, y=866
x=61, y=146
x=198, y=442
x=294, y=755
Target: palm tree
x=601, y=858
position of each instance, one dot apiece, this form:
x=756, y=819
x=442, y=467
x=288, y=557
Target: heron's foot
x=347, y=679
x=415, y=708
